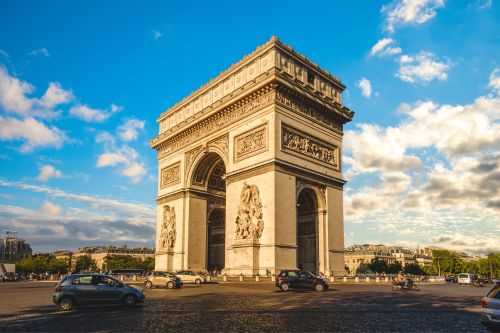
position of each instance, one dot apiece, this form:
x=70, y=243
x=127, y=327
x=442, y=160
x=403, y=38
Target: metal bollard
x=241, y=277
x=344, y=279
x=257, y=278
x=134, y=278
x=273, y=278
x=356, y=279
x=377, y=279
x=224, y=278
x=332, y=279
x=367, y=279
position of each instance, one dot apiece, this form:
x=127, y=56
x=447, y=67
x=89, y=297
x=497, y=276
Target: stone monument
x=249, y=170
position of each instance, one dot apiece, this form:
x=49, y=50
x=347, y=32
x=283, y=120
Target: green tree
x=414, y=269
x=395, y=267
x=116, y=261
x=378, y=266
x=85, y=264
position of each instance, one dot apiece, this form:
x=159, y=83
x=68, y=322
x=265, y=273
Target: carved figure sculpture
x=168, y=232
x=249, y=223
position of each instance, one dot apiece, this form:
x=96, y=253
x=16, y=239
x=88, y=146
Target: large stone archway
x=250, y=148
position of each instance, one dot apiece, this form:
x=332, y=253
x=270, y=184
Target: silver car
x=190, y=277
x=162, y=279
x=490, y=310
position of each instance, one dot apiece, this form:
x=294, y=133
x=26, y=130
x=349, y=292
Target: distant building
x=98, y=253
x=13, y=248
x=403, y=255
x=357, y=255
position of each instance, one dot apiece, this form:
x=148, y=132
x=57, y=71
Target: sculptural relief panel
x=251, y=142
x=249, y=220
x=296, y=141
x=168, y=233
x=170, y=175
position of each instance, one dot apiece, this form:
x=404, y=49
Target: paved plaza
x=252, y=307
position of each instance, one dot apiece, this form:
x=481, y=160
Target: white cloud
x=50, y=209
x=14, y=99
x=40, y=52
x=88, y=114
x=409, y=12
x=436, y=172
x=365, y=86
x=495, y=80
x=422, y=68
x=47, y=172
x=55, y=95
x=125, y=159
x=128, y=131
x=382, y=47
x=156, y=34
x=85, y=219
x=12, y=93
x=135, y=172
x=35, y=133
x=110, y=159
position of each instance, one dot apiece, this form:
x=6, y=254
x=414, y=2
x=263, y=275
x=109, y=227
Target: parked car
x=162, y=279
x=465, y=278
x=300, y=279
x=490, y=309
x=10, y=277
x=80, y=289
x=191, y=277
x=451, y=278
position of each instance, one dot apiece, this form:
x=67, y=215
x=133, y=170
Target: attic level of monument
x=249, y=170
x=274, y=64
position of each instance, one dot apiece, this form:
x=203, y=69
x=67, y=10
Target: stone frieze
x=170, y=175
x=304, y=144
x=250, y=143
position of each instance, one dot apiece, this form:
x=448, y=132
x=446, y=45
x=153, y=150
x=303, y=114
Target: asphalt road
x=252, y=307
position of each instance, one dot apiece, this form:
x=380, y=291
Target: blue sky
x=81, y=85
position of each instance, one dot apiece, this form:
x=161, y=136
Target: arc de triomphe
x=250, y=177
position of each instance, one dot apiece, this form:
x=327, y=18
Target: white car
x=464, y=278
x=191, y=277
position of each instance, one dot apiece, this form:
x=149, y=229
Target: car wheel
x=197, y=281
x=129, y=300
x=170, y=285
x=285, y=286
x=66, y=303
x=149, y=285
x=319, y=287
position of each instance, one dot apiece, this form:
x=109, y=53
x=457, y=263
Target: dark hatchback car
x=301, y=280
x=86, y=289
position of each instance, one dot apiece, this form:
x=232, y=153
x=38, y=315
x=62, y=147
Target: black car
x=451, y=278
x=301, y=280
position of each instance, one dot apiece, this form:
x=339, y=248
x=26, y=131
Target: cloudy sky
x=82, y=85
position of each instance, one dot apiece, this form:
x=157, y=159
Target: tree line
x=444, y=263
x=48, y=263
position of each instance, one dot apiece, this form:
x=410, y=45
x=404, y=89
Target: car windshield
x=463, y=276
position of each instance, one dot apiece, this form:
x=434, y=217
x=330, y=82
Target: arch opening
x=209, y=174
x=307, y=230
